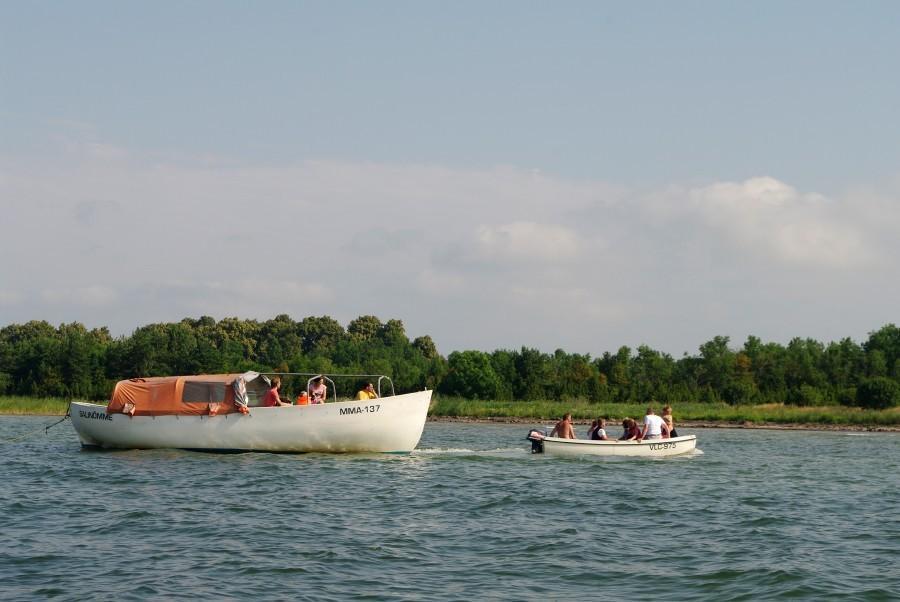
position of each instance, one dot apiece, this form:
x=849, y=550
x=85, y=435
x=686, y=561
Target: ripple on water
x=470, y=515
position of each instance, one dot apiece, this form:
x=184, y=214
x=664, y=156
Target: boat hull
x=390, y=424
x=651, y=448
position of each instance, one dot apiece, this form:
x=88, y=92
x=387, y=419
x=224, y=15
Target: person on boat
x=303, y=399
x=318, y=391
x=654, y=426
x=599, y=432
x=631, y=432
x=670, y=422
x=272, y=397
x=367, y=393
x=564, y=429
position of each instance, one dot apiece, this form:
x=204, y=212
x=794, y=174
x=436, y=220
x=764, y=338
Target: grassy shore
x=748, y=415
x=543, y=411
x=38, y=406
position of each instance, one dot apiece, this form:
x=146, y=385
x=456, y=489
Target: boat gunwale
x=608, y=443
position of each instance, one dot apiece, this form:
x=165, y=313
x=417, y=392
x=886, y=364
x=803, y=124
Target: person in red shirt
x=272, y=398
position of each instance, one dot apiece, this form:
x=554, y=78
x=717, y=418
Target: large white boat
x=650, y=448
x=222, y=413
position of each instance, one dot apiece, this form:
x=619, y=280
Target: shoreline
x=774, y=426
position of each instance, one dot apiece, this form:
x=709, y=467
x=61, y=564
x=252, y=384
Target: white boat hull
x=390, y=424
x=650, y=448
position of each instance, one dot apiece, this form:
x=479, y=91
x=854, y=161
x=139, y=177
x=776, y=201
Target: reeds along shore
x=686, y=414
x=38, y=406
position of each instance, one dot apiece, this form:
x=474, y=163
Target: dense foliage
x=37, y=359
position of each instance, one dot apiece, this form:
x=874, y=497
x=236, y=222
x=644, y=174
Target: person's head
x=276, y=382
x=370, y=387
x=649, y=410
x=626, y=423
x=317, y=380
x=667, y=410
x=567, y=418
x=601, y=422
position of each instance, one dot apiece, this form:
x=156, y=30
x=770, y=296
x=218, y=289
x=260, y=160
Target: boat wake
x=462, y=451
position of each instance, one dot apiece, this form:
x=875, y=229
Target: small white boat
x=648, y=448
x=209, y=420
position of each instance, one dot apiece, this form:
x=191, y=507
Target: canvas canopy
x=196, y=395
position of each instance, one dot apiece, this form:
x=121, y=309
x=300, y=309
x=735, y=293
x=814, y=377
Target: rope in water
x=46, y=429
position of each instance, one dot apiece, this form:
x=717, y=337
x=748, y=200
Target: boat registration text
x=668, y=445
x=361, y=409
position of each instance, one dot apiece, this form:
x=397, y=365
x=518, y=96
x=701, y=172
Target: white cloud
x=11, y=298
x=88, y=296
x=476, y=258
x=765, y=217
x=527, y=241
x=437, y=282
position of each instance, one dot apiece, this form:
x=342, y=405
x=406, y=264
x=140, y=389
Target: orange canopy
x=201, y=394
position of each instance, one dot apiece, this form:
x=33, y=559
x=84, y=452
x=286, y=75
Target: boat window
x=203, y=392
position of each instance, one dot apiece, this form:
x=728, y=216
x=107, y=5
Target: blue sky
x=579, y=175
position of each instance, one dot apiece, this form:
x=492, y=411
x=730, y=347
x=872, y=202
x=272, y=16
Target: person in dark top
x=631, y=431
x=599, y=432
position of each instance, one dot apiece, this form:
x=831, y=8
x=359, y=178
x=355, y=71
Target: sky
x=495, y=174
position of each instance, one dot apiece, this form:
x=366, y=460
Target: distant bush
x=805, y=395
x=878, y=393
x=847, y=396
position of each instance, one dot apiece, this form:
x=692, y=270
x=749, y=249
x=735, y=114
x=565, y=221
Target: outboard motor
x=536, y=436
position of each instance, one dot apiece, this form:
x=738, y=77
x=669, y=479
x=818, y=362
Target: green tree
x=878, y=393
x=320, y=335
x=886, y=340
x=364, y=328
x=426, y=347
x=471, y=375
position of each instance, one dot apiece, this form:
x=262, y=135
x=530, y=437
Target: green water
x=471, y=515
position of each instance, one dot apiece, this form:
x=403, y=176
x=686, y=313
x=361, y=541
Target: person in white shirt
x=654, y=426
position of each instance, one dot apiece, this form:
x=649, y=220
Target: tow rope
x=46, y=429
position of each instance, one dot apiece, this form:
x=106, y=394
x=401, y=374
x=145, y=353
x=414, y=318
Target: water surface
x=470, y=515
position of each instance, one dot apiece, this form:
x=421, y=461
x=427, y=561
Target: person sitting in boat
x=318, y=391
x=367, y=393
x=599, y=432
x=563, y=428
x=670, y=422
x=272, y=397
x=654, y=426
x=631, y=431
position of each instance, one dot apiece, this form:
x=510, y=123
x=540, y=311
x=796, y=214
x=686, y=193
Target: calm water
x=471, y=515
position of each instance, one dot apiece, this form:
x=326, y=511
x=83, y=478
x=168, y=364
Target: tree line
x=38, y=359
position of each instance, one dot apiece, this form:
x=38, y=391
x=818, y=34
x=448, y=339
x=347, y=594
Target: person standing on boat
x=654, y=426
x=367, y=393
x=318, y=391
x=272, y=398
x=563, y=428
